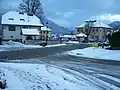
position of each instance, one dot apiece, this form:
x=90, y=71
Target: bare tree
x=88, y=27
x=34, y=7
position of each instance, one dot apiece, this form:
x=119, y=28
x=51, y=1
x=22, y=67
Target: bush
x=94, y=45
x=115, y=40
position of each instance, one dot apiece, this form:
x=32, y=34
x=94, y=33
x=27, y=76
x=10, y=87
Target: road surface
x=104, y=74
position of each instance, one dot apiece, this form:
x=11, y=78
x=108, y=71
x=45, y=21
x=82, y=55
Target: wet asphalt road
x=104, y=74
x=39, y=52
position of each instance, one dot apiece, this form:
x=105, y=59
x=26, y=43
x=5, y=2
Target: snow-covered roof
x=30, y=32
x=100, y=24
x=45, y=29
x=80, y=26
x=68, y=36
x=17, y=18
x=81, y=35
x=97, y=24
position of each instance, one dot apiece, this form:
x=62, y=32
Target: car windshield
x=59, y=45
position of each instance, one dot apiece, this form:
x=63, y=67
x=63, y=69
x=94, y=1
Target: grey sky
x=70, y=13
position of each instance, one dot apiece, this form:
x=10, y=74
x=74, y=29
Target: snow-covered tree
x=33, y=7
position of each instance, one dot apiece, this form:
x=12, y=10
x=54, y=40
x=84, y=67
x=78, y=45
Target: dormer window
x=22, y=19
x=21, y=13
x=11, y=19
x=30, y=14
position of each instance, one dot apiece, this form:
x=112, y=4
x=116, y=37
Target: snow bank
x=11, y=45
x=40, y=77
x=72, y=42
x=97, y=53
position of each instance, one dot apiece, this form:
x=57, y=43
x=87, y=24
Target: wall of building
x=96, y=34
x=44, y=34
x=13, y=35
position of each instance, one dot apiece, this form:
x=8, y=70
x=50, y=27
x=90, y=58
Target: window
x=97, y=30
x=25, y=27
x=92, y=36
x=11, y=19
x=11, y=36
x=96, y=37
x=22, y=19
x=11, y=28
x=44, y=32
x=30, y=14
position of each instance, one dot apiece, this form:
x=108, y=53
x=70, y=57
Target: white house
x=20, y=26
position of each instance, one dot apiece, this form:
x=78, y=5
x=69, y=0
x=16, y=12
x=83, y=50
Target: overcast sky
x=70, y=13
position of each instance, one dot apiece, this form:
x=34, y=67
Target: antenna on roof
x=10, y=7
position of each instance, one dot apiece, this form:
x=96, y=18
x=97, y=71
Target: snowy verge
x=72, y=42
x=97, y=53
x=40, y=77
x=10, y=45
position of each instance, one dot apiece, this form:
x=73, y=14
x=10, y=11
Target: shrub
x=115, y=40
x=94, y=45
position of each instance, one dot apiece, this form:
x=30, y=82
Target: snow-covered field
x=97, y=53
x=40, y=77
x=10, y=45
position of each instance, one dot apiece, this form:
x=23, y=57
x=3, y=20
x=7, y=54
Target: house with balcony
x=20, y=26
x=98, y=30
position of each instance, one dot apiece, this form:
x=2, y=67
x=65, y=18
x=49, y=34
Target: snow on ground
x=10, y=45
x=72, y=42
x=40, y=77
x=97, y=53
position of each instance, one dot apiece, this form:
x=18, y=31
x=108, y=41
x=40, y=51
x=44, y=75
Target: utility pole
x=10, y=7
x=46, y=33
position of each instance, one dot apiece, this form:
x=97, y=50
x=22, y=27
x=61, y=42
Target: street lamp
x=46, y=32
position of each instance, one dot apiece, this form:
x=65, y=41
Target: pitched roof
x=16, y=18
x=30, y=32
x=68, y=36
x=97, y=24
x=80, y=26
x=81, y=35
x=101, y=24
x=45, y=29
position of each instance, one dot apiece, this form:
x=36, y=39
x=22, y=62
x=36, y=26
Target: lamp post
x=46, y=33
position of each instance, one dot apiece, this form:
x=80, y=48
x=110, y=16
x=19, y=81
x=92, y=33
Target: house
x=20, y=26
x=45, y=33
x=68, y=37
x=98, y=30
x=81, y=37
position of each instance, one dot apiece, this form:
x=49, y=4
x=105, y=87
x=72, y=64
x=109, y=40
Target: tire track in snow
x=93, y=77
x=112, y=82
x=36, y=83
x=78, y=76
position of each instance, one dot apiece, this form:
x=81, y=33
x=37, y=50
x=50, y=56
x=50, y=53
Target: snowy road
x=94, y=75
x=62, y=71
x=42, y=77
x=105, y=74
